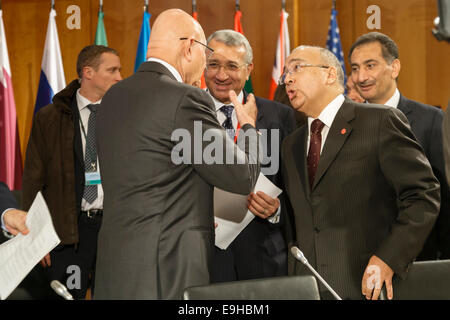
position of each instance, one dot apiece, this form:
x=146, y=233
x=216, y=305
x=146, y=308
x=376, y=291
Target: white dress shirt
x=327, y=117
x=82, y=104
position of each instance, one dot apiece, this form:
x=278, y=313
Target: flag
x=52, y=78
x=100, y=34
x=144, y=36
x=283, y=50
x=238, y=27
x=203, y=82
x=10, y=157
x=334, y=40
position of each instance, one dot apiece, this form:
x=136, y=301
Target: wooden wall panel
x=425, y=74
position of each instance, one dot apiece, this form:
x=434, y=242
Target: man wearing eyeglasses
x=363, y=192
x=157, y=235
x=260, y=249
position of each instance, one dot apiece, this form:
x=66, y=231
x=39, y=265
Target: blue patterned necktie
x=90, y=158
x=228, y=123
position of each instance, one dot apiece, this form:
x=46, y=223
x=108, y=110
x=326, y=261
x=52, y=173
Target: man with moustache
x=375, y=63
x=157, y=234
x=363, y=193
x=260, y=249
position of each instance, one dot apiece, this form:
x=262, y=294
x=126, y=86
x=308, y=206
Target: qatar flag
x=10, y=157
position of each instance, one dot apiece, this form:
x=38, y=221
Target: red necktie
x=314, y=149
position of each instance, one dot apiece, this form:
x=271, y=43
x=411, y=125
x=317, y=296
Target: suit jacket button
x=316, y=230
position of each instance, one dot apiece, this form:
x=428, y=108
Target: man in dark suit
x=375, y=63
x=13, y=220
x=363, y=193
x=157, y=234
x=260, y=249
x=61, y=162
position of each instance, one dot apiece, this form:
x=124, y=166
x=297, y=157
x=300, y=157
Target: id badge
x=92, y=178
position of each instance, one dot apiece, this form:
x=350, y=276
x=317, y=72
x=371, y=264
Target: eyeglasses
x=297, y=68
x=214, y=66
x=207, y=52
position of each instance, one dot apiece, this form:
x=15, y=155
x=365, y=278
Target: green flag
x=100, y=35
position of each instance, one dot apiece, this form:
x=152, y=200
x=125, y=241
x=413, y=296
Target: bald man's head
x=187, y=55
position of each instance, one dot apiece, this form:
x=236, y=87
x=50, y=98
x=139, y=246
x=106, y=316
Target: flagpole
x=283, y=4
x=53, y=4
x=100, y=7
x=194, y=5
x=238, y=6
x=146, y=6
x=334, y=5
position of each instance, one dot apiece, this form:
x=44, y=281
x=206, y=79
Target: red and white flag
x=10, y=157
x=283, y=50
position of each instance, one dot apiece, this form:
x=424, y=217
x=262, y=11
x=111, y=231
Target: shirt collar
x=393, y=101
x=83, y=102
x=219, y=104
x=329, y=112
x=172, y=70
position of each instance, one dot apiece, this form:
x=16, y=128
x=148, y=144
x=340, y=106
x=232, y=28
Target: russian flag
x=52, y=78
x=144, y=36
x=10, y=157
x=283, y=50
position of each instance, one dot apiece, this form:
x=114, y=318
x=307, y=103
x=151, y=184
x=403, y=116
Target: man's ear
x=396, y=66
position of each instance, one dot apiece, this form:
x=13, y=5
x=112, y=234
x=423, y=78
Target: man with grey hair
x=259, y=250
x=374, y=58
x=363, y=194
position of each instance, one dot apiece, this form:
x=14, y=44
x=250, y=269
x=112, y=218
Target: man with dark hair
x=375, y=64
x=61, y=161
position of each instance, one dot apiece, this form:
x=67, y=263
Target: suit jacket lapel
x=77, y=144
x=337, y=135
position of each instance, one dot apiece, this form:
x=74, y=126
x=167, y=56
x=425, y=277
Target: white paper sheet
x=231, y=213
x=19, y=255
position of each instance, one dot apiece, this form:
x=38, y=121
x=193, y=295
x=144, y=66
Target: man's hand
x=377, y=272
x=245, y=113
x=15, y=221
x=262, y=205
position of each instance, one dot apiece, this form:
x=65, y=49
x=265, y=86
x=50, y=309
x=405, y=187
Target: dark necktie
x=90, y=157
x=228, y=123
x=314, y=149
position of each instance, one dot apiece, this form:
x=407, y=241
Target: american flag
x=334, y=40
